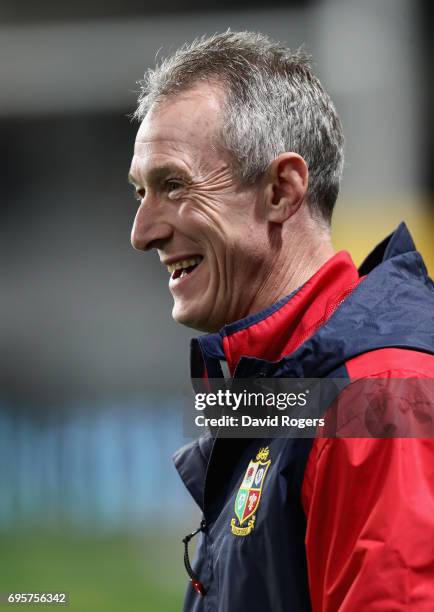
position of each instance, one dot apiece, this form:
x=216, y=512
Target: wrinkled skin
x=197, y=207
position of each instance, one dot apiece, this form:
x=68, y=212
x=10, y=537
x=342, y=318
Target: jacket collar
x=279, y=329
x=392, y=308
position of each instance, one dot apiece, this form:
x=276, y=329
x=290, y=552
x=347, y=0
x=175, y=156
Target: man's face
x=208, y=229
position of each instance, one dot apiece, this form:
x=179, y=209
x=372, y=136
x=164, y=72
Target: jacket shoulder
x=391, y=363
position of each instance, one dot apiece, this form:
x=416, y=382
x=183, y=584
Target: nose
x=149, y=229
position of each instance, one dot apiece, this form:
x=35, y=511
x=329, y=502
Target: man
x=236, y=166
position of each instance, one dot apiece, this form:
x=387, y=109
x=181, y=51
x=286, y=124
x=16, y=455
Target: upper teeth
x=184, y=263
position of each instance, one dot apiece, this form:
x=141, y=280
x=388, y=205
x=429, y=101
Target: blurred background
x=91, y=364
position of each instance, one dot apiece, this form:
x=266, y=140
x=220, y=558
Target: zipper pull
x=195, y=582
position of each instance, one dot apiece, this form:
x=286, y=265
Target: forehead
x=180, y=130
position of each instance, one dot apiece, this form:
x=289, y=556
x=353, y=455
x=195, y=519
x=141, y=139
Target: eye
x=173, y=185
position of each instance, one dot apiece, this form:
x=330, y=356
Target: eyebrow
x=159, y=173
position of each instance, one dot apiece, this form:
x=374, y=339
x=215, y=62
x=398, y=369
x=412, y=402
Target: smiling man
x=220, y=238
x=236, y=167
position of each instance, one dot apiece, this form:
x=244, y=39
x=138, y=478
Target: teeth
x=184, y=263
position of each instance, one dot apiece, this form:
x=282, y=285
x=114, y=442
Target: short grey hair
x=273, y=104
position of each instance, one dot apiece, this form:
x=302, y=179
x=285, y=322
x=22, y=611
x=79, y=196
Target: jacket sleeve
x=369, y=504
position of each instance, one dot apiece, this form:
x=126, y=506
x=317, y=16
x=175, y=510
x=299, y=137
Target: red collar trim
x=281, y=329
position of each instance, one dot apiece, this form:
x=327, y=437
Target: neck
x=300, y=254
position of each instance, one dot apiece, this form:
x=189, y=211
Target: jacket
x=343, y=523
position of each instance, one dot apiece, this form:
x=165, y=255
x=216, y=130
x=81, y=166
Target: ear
x=287, y=177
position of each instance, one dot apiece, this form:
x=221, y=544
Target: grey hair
x=273, y=104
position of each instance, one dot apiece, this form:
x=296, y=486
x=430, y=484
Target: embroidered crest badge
x=249, y=494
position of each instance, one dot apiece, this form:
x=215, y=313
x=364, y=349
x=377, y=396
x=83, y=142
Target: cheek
x=204, y=222
x=225, y=227
x=247, y=253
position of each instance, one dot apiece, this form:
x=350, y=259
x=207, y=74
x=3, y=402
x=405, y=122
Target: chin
x=192, y=317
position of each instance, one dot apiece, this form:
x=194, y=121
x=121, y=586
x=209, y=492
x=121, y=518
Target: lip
x=174, y=283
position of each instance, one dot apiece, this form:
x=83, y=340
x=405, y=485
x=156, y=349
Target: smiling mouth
x=184, y=267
